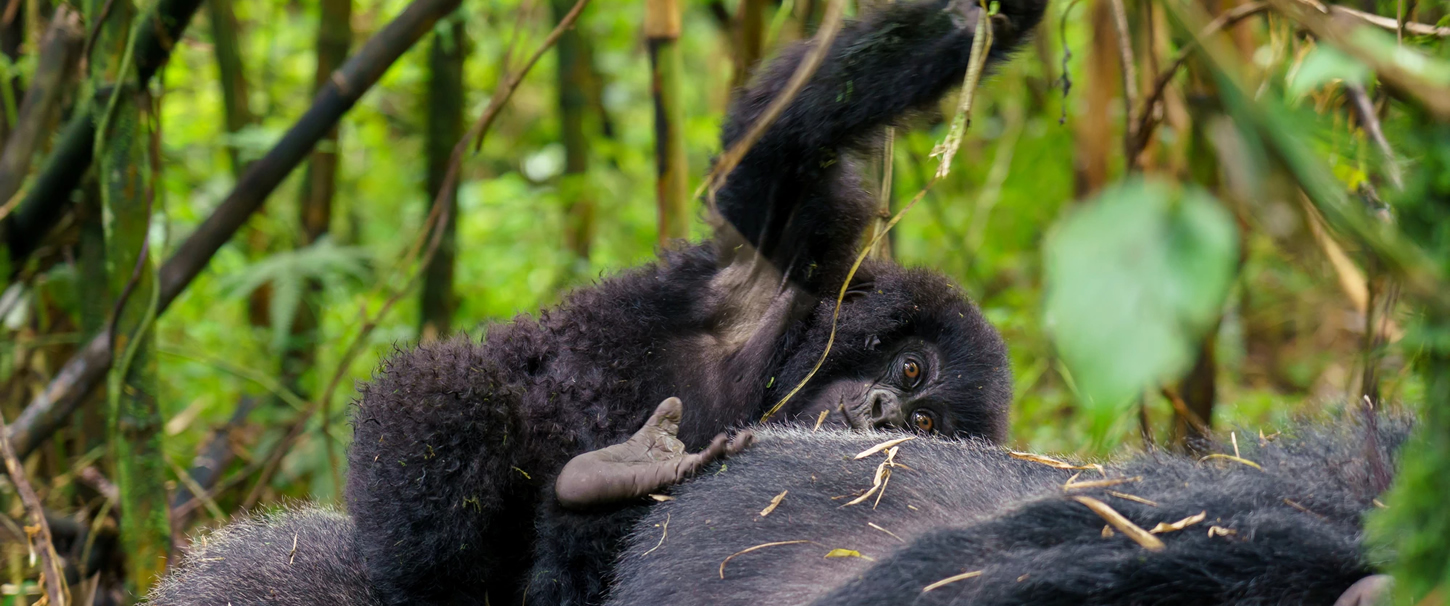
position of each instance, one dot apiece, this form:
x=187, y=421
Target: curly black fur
x=1292, y=530
x=457, y=443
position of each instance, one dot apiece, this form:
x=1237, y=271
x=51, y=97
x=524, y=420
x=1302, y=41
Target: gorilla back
x=963, y=522
x=1287, y=533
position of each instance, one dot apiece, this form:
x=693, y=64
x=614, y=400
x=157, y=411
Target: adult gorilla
x=957, y=522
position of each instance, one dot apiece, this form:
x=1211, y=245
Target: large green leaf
x=1134, y=280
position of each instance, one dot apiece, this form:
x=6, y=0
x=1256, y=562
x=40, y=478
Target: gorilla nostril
x=877, y=401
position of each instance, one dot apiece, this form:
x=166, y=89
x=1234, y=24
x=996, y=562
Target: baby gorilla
x=957, y=522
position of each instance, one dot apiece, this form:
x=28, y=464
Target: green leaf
x=1323, y=65
x=1134, y=279
x=289, y=271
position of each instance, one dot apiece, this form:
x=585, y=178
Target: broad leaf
x=1134, y=280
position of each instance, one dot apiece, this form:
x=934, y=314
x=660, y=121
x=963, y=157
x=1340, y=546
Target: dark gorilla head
x=911, y=351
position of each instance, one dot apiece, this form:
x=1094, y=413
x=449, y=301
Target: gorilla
x=942, y=521
x=460, y=447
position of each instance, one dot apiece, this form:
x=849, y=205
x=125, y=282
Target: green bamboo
x=445, y=128
x=134, y=423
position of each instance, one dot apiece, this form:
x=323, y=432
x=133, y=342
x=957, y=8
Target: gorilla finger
x=692, y=463
x=739, y=442
x=667, y=415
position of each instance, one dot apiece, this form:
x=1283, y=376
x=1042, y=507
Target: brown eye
x=923, y=421
x=912, y=370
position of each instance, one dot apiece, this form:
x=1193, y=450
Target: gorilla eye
x=911, y=369
x=923, y=420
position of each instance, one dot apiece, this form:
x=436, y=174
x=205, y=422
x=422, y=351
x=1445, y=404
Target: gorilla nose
x=885, y=409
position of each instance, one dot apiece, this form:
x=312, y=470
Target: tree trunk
x=573, y=85
x=662, y=29
x=134, y=416
x=445, y=128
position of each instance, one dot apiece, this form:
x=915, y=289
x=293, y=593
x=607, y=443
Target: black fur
x=457, y=443
x=958, y=507
x=950, y=507
x=297, y=557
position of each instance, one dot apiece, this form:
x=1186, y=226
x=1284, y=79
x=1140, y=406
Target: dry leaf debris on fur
x=1122, y=524
x=883, y=471
x=1179, y=525
x=661, y=497
x=848, y=553
x=775, y=502
x=1219, y=531
x=880, y=447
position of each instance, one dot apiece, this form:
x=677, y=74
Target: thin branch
x=1368, y=118
x=1147, y=120
x=433, y=227
x=1130, y=83
x=86, y=368
x=54, y=581
x=1418, y=29
x=42, y=102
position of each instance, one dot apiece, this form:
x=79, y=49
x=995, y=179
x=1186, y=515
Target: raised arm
x=794, y=196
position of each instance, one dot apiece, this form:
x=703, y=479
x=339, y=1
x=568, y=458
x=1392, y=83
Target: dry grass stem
x=661, y=497
x=1302, y=508
x=952, y=579
x=880, y=447
x=1049, y=461
x=1123, y=524
x=1072, y=485
x=1179, y=525
x=820, y=420
x=1232, y=458
x=775, y=502
x=1129, y=497
x=664, y=532
x=893, y=535
x=757, y=547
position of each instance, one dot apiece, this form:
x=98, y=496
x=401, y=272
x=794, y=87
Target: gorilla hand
x=649, y=460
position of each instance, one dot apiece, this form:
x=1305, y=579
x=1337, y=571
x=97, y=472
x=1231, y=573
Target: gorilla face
x=902, y=388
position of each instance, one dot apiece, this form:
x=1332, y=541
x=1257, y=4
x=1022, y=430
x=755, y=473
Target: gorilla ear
x=861, y=285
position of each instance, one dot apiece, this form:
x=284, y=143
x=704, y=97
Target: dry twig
x=52, y=577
